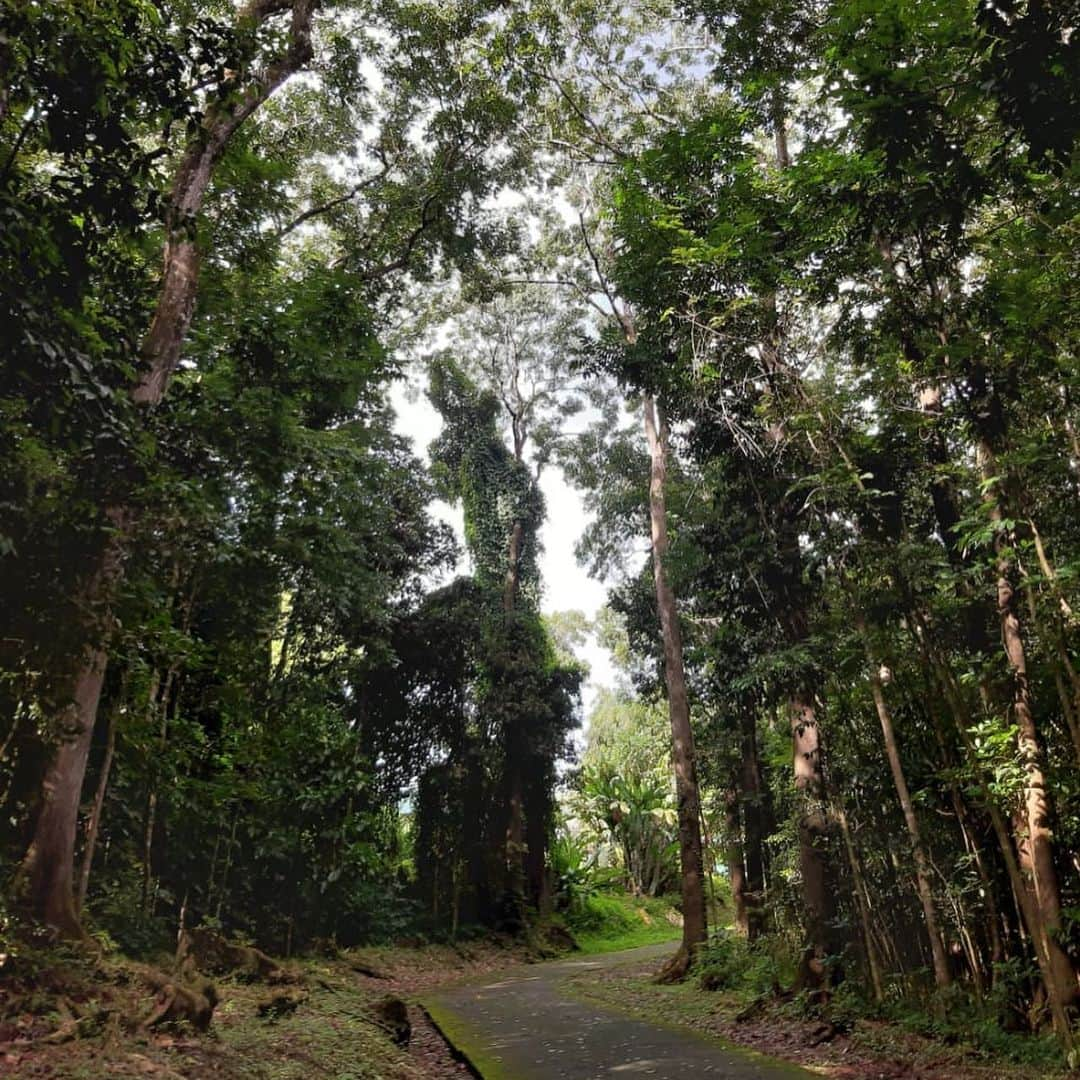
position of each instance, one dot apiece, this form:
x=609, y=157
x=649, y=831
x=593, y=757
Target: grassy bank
x=848, y=1041
x=609, y=921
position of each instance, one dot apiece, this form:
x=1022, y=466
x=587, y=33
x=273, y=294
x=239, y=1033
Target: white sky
x=566, y=585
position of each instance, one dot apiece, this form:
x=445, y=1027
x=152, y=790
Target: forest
x=307, y=307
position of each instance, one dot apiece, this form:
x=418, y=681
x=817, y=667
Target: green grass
x=610, y=921
x=464, y=1039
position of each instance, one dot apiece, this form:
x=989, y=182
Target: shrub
x=729, y=962
x=598, y=913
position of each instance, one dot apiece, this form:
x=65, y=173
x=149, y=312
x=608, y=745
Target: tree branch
x=333, y=204
x=427, y=219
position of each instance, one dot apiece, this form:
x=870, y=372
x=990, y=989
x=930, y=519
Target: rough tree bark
x=46, y=875
x=695, y=927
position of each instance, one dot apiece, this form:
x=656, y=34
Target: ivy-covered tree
x=526, y=694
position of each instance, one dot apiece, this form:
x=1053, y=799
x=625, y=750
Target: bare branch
x=333, y=204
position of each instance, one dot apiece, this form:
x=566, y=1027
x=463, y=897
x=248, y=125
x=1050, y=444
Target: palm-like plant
x=635, y=813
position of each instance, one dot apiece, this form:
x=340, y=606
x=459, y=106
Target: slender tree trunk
x=873, y=960
x=94, y=824
x=942, y=976
x=1038, y=803
x=971, y=846
x=47, y=871
x=734, y=858
x=159, y=704
x=753, y=822
x=514, y=849
x=222, y=891
x=695, y=927
x=813, y=830
x=1026, y=902
x=1055, y=634
x=811, y=812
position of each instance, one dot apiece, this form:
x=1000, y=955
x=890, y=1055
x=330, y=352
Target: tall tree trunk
x=514, y=752
x=811, y=813
x=48, y=868
x=873, y=958
x=1026, y=901
x=942, y=976
x=813, y=830
x=94, y=823
x=537, y=814
x=46, y=877
x=1038, y=804
x=695, y=927
x=753, y=823
x=733, y=855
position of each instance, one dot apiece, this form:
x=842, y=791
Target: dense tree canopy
x=826, y=251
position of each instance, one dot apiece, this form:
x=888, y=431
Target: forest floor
x=69, y=1014
x=869, y=1050
x=327, y=1020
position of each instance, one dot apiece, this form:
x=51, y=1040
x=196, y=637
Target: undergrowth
x=607, y=921
x=986, y=1030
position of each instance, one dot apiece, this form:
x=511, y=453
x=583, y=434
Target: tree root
x=72, y=1018
x=206, y=950
x=177, y=1002
x=392, y=1015
x=676, y=969
x=775, y=995
x=366, y=969
x=281, y=1003
x=823, y=1033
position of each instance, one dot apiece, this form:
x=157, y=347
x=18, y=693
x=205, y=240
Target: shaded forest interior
x=304, y=304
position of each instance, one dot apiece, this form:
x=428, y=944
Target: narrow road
x=525, y=1026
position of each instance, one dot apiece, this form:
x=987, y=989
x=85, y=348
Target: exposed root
x=676, y=969
x=762, y=1003
x=281, y=1003
x=392, y=1015
x=366, y=969
x=177, y=1002
x=207, y=951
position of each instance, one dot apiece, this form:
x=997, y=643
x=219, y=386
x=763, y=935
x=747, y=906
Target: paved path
x=523, y=1026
